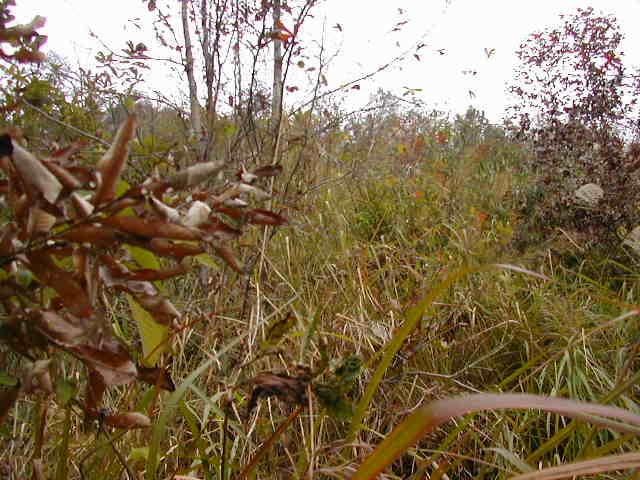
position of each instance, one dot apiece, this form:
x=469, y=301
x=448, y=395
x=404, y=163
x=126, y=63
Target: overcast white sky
x=463, y=28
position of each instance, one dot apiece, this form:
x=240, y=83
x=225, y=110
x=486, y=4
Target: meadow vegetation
x=341, y=280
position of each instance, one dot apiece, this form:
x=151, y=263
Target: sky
x=464, y=29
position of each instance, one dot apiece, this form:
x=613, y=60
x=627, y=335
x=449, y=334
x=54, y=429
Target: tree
x=576, y=103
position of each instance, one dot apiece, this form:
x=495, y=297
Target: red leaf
x=171, y=249
x=155, y=376
x=94, y=234
x=224, y=252
x=95, y=390
x=142, y=227
x=127, y=420
x=113, y=161
x=71, y=293
x=259, y=216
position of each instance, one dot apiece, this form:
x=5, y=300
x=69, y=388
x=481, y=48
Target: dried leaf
x=40, y=221
x=267, y=384
x=110, y=360
x=95, y=390
x=128, y=420
x=165, y=211
x=171, y=249
x=71, y=293
x=162, y=309
x=7, y=398
x=66, y=178
x=220, y=230
x=195, y=174
x=34, y=173
x=197, y=215
x=224, y=252
x=83, y=207
x=56, y=326
x=157, y=377
x=142, y=227
x=37, y=379
x=113, y=161
x=94, y=234
x=258, y=194
x=259, y=216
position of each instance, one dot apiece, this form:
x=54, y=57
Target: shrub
x=576, y=106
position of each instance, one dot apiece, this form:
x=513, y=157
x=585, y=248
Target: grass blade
x=413, y=316
x=623, y=461
x=427, y=418
x=172, y=404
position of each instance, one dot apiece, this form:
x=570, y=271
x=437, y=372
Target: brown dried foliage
x=68, y=234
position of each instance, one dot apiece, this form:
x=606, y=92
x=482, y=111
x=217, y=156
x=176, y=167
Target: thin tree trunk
x=276, y=105
x=196, y=119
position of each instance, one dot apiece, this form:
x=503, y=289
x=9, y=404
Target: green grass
x=393, y=268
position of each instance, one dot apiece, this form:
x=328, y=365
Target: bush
x=575, y=105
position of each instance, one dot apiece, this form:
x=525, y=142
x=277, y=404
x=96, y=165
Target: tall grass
x=362, y=251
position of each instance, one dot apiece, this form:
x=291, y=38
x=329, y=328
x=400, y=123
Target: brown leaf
x=115, y=275
x=62, y=155
x=156, y=376
x=151, y=275
x=95, y=390
x=7, y=398
x=166, y=248
x=267, y=384
x=56, y=326
x=166, y=212
x=71, y=293
x=195, y=174
x=64, y=176
x=156, y=228
x=83, y=207
x=224, y=252
x=110, y=360
x=128, y=420
x=94, y=234
x=162, y=309
x=259, y=216
x=40, y=221
x=220, y=230
x=113, y=161
x=268, y=170
x=35, y=174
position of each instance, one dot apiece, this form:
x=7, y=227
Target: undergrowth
x=337, y=281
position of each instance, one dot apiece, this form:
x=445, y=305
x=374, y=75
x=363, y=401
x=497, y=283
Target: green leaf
x=349, y=370
x=143, y=257
x=206, y=260
x=152, y=334
x=7, y=380
x=139, y=454
x=66, y=391
x=333, y=400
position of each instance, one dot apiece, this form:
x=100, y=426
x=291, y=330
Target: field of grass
x=387, y=233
